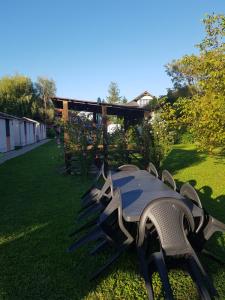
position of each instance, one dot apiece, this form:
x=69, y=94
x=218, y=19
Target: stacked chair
x=107, y=226
x=178, y=229
x=180, y=236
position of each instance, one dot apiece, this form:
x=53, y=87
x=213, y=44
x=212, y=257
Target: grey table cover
x=139, y=188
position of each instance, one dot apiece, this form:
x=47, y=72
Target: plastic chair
x=152, y=170
x=168, y=178
x=189, y=192
x=130, y=168
x=168, y=215
x=92, y=193
x=112, y=229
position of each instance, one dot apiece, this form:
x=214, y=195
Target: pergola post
x=67, y=155
x=105, y=137
x=126, y=126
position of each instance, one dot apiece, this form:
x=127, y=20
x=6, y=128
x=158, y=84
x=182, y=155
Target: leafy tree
x=114, y=93
x=46, y=88
x=203, y=112
x=16, y=95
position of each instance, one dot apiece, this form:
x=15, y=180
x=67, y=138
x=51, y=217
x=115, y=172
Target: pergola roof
x=96, y=107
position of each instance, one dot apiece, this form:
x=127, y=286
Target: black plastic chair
x=128, y=167
x=168, y=215
x=189, y=192
x=92, y=193
x=152, y=169
x=168, y=179
x=111, y=229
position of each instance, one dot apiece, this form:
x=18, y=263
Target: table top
x=138, y=189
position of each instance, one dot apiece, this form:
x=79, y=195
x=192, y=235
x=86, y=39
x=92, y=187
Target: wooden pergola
x=131, y=115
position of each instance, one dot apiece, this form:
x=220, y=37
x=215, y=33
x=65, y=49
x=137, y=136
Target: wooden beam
x=105, y=138
x=67, y=154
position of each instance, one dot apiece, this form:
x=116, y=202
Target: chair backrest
x=167, y=215
x=168, y=178
x=152, y=169
x=128, y=168
x=189, y=192
x=115, y=205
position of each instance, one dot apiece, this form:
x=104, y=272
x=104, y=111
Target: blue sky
x=85, y=44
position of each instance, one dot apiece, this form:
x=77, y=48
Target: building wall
x=12, y=140
x=16, y=131
x=3, y=147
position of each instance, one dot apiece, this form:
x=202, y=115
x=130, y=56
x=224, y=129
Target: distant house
x=19, y=132
x=141, y=101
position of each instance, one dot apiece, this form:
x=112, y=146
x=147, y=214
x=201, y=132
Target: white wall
x=12, y=141
x=2, y=136
x=16, y=131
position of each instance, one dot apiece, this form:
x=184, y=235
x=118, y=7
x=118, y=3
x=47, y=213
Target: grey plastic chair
x=152, y=169
x=99, y=202
x=168, y=215
x=168, y=178
x=130, y=168
x=90, y=195
x=189, y=192
x=111, y=229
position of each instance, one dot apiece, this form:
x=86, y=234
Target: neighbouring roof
x=134, y=102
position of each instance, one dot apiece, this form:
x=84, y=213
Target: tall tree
x=16, y=95
x=46, y=88
x=204, y=112
x=114, y=93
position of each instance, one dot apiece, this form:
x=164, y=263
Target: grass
x=38, y=207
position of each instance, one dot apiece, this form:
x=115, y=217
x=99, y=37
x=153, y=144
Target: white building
x=141, y=101
x=19, y=132
x=6, y=133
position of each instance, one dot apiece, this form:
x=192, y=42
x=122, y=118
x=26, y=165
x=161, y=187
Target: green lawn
x=37, y=209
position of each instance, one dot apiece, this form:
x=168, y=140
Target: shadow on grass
x=180, y=158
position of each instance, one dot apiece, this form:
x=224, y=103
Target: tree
x=17, y=94
x=114, y=93
x=46, y=88
x=203, y=112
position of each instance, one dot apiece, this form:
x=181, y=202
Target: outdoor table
x=139, y=188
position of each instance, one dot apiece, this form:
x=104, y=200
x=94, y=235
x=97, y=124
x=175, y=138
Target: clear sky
x=85, y=44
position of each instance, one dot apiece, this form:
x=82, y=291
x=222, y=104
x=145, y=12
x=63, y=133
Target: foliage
x=46, y=88
x=17, y=94
x=21, y=97
x=202, y=111
x=51, y=133
x=39, y=214
x=84, y=138
x=114, y=94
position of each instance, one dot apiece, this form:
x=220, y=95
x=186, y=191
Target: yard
x=38, y=208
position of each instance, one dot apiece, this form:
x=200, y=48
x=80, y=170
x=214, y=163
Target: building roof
x=10, y=117
x=134, y=103
x=7, y=116
x=30, y=120
x=96, y=107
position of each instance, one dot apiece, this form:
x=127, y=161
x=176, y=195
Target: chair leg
x=197, y=278
x=99, y=247
x=212, y=289
x=109, y=262
x=144, y=270
x=85, y=226
x=91, y=210
x=95, y=234
x=161, y=267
